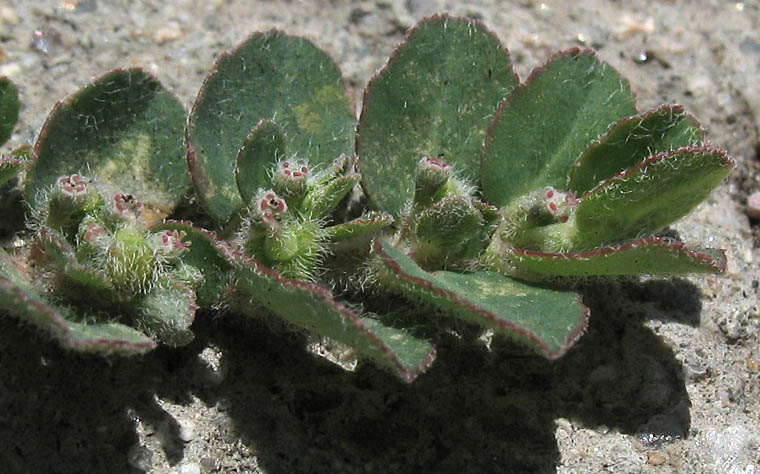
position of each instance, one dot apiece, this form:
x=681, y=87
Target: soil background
x=667, y=380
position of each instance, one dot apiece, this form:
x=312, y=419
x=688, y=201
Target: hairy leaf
x=359, y=227
x=652, y=256
x=313, y=308
x=548, y=320
x=263, y=147
x=9, y=107
x=631, y=141
x=435, y=97
x=271, y=76
x=649, y=196
x=545, y=124
x=124, y=130
x=23, y=300
x=166, y=311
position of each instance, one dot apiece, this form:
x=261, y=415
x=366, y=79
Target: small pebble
x=699, y=84
x=210, y=465
x=733, y=390
x=10, y=70
x=190, y=468
x=733, y=327
x=168, y=33
x=213, y=372
x=655, y=458
x=186, y=429
x=753, y=364
x=753, y=205
x=695, y=369
x=43, y=40
x=630, y=26
x=80, y=6
x=8, y=16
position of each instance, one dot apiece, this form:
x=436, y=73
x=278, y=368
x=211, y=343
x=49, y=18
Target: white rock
x=190, y=468
x=186, y=429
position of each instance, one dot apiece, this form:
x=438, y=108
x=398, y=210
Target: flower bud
x=556, y=203
x=290, y=178
x=169, y=244
x=431, y=175
x=68, y=203
x=268, y=208
x=125, y=208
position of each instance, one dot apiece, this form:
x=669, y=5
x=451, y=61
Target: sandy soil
x=667, y=380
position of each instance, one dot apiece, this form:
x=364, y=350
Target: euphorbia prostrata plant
x=488, y=198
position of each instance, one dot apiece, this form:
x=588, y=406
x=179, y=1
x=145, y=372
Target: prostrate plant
x=489, y=197
x=582, y=182
x=107, y=166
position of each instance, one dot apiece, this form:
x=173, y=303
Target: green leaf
x=263, y=147
x=9, y=107
x=204, y=254
x=359, y=227
x=271, y=76
x=548, y=320
x=23, y=300
x=167, y=311
x=545, y=124
x=632, y=140
x=435, y=97
x=323, y=199
x=124, y=130
x=79, y=282
x=648, y=256
x=313, y=308
x=13, y=164
x=649, y=196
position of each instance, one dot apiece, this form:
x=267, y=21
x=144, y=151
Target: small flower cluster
x=269, y=208
x=108, y=235
x=72, y=186
x=290, y=179
x=287, y=229
x=559, y=204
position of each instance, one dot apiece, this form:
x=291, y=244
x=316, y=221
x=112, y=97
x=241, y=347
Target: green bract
x=480, y=192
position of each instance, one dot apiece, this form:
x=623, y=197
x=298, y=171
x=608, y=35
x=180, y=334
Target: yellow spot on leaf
x=129, y=171
x=311, y=115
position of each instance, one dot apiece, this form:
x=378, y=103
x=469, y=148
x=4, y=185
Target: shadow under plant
x=477, y=410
